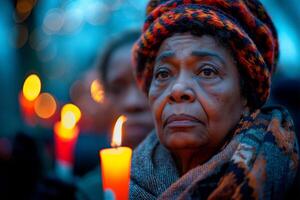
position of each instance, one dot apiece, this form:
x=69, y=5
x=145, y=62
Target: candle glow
x=73, y=109
x=27, y=109
x=66, y=134
x=117, y=132
x=115, y=165
x=45, y=105
x=32, y=87
x=97, y=92
x=66, y=129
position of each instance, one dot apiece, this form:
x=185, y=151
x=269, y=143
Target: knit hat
x=243, y=25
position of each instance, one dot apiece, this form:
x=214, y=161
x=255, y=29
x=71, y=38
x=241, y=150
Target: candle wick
x=114, y=145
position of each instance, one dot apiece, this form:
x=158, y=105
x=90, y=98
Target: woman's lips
x=181, y=121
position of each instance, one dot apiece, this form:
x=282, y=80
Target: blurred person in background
x=121, y=90
x=97, y=117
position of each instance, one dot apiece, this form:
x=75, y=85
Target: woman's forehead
x=185, y=40
x=184, y=44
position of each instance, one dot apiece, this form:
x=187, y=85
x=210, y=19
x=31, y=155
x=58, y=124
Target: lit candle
x=115, y=165
x=27, y=108
x=65, y=137
x=31, y=90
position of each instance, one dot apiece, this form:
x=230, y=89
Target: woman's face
x=195, y=93
x=126, y=97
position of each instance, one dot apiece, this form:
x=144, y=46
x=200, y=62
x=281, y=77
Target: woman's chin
x=183, y=140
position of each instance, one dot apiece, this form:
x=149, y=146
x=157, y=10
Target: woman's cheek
x=157, y=100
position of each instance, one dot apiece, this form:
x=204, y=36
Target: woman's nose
x=181, y=92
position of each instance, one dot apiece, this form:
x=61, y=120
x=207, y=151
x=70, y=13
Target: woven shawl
x=259, y=162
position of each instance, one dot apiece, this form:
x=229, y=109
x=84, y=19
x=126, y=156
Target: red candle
x=65, y=137
x=115, y=165
x=31, y=90
x=27, y=107
x=65, y=141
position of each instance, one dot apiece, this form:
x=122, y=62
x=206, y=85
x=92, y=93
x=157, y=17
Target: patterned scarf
x=258, y=162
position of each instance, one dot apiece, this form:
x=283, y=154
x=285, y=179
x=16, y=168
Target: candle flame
x=117, y=133
x=67, y=129
x=32, y=87
x=68, y=120
x=73, y=109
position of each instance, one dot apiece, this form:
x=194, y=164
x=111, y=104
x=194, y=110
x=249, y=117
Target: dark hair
x=125, y=38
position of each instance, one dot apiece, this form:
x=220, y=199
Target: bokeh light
x=97, y=13
x=23, y=9
x=73, y=19
x=45, y=105
x=32, y=87
x=24, y=6
x=97, y=92
x=53, y=21
x=71, y=108
x=68, y=119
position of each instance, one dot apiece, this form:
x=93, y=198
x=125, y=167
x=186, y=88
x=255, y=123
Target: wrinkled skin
x=127, y=99
x=195, y=97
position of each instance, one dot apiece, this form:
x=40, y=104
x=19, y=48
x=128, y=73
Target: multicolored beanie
x=243, y=25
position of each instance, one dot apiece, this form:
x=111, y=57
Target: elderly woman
x=206, y=68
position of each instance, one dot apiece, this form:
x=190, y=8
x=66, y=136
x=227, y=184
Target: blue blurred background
x=59, y=40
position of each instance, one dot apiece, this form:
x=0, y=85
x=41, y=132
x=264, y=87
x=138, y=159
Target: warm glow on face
x=45, y=105
x=68, y=120
x=117, y=133
x=73, y=109
x=32, y=87
x=97, y=91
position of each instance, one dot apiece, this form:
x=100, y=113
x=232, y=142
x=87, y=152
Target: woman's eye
x=208, y=72
x=162, y=75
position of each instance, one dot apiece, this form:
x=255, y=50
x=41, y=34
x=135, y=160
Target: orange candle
x=115, y=165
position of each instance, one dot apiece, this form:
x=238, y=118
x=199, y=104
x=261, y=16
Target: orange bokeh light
x=24, y=6
x=97, y=92
x=45, y=105
x=23, y=9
